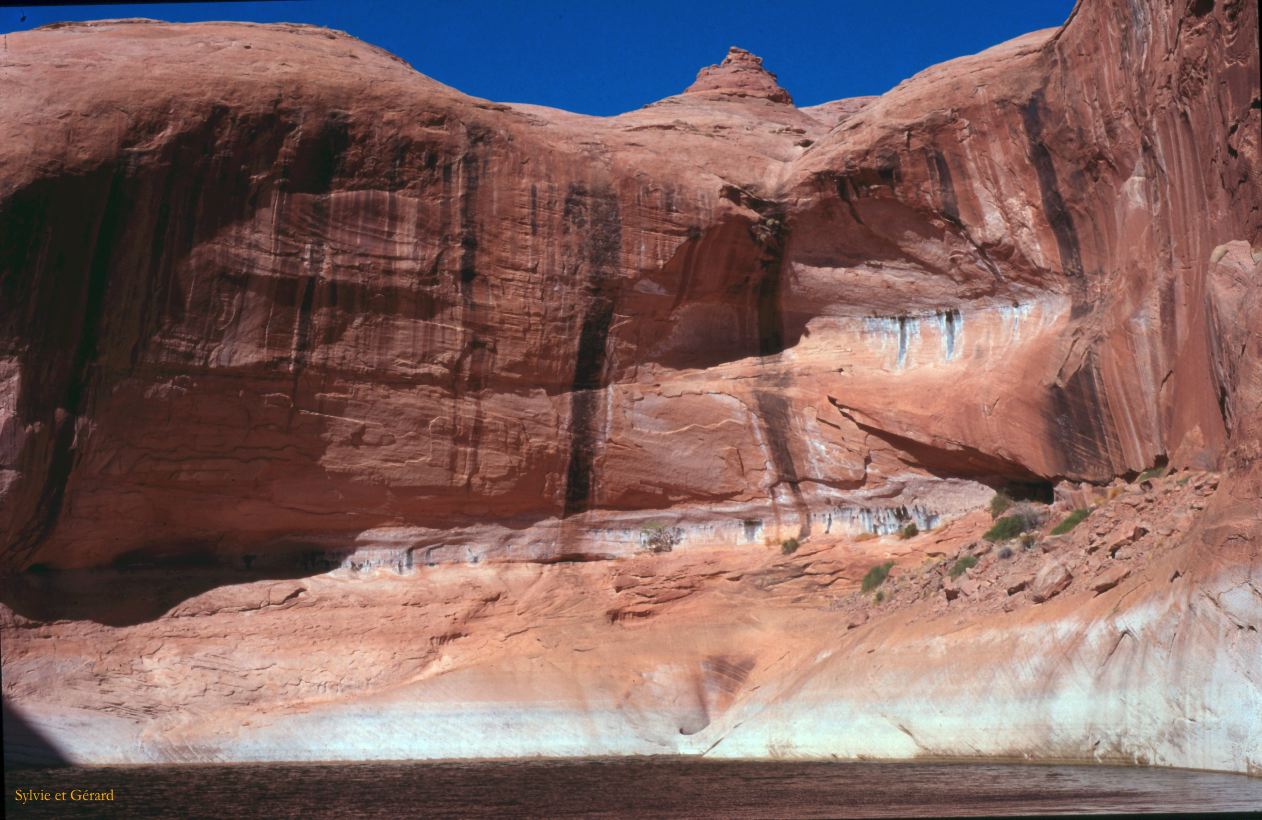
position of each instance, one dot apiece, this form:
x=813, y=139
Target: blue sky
x=610, y=56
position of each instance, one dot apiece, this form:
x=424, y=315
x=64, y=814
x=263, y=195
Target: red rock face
x=278, y=292
x=355, y=381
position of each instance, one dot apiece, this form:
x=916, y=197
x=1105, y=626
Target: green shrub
x=999, y=504
x=1010, y=526
x=962, y=564
x=876, y=576
x=1155, y=472
x=1072, y=520
x=789, y=546
x=909, y=531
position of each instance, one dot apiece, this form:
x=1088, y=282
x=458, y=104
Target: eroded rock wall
x=322, y=295
x=410, y=394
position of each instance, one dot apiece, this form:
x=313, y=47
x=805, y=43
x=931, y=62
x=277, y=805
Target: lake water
x=656, y=788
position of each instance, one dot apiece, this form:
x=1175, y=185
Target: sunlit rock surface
x=343, y=415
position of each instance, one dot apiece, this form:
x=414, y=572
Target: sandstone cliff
x=272, y=303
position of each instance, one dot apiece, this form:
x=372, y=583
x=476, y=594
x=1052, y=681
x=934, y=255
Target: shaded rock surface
x=318, y=353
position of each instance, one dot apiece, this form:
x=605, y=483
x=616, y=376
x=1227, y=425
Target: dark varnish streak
x=64, y=411
x=114, y=240
x=1078, y=411
x=1054, y=208
x=595, y=218
x=770, y=235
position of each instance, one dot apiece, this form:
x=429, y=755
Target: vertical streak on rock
x=73, y=402
x=469, y=179
x=1058, y=216
x=946, y=187
x=1081, y=417
x=156, y=296
x=534, y=209
x=595, y=216
x=302, y=332
x=774, y=415
x=468, y=374
x=770, y=234
x=949, y=207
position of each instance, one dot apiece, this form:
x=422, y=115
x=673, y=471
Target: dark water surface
x=657, y=788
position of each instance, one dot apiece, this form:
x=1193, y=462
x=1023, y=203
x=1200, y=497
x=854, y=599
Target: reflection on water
x=657, y=788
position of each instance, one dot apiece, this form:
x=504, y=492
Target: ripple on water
x=655, y=787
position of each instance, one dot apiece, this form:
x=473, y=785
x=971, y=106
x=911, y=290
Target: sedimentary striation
x=343, y=415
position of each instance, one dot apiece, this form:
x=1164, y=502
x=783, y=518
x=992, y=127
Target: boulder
x=1109, y=578
x=1050, y=581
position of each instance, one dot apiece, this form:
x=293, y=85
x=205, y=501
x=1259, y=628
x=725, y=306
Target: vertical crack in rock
x=946, y=187
x=595, y=217
x=1054, y=208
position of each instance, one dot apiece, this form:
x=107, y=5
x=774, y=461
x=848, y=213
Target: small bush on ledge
x=1000, y=504
x=909, y=531
x=1030, y=515
x=1010, y=526
x=876, y=576
x=660, y=538
x=963, y=564
x=789, y=546
x=1072, y=520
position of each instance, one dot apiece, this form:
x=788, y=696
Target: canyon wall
x=274, y=304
